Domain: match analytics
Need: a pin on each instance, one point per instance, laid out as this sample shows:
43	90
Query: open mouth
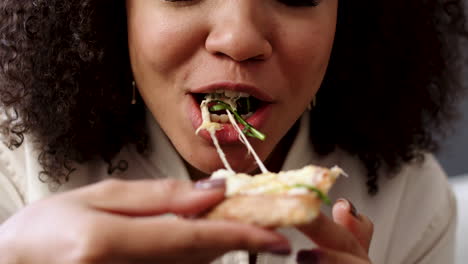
243	103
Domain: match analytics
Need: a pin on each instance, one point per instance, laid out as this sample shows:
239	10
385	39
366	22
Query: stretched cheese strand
212	127
247	143
206	120
220	151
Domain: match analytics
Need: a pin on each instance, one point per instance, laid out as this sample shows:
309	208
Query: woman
103	89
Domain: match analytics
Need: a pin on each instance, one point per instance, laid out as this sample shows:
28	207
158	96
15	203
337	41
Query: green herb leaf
319	193
249	130
217	107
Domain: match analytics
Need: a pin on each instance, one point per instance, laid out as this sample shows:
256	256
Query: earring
134	93
312	104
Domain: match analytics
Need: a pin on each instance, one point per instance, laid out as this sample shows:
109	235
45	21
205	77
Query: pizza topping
310	179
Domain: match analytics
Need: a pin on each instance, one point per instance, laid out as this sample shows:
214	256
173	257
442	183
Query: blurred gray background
454	151
453	154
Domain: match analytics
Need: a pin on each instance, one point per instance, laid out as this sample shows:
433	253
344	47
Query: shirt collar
163	154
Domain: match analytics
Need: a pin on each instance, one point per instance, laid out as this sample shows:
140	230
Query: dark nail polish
210	184
308	257
352	208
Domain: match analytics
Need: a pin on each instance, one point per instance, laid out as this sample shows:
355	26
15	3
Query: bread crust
268	210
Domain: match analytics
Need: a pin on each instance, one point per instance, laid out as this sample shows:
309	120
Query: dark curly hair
65	78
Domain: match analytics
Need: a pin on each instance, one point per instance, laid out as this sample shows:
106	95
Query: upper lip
233	86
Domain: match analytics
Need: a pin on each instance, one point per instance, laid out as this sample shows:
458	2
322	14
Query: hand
119	222
346	239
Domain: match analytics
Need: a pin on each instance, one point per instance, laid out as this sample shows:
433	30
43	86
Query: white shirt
414	213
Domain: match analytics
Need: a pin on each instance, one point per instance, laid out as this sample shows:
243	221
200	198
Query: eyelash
294	3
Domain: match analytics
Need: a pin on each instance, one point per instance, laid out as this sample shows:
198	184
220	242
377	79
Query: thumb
153	197
346	215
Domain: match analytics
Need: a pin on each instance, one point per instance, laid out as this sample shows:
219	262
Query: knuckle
234	238
104	188
351	246
88	246
112	185
192	243
244	241
197	235
170	185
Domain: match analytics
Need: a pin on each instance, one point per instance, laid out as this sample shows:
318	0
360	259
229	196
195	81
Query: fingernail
308	257
210	184
352	208
279	249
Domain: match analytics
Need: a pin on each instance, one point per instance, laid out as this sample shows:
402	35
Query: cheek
311	55
308	55
156	48
158	40
311	49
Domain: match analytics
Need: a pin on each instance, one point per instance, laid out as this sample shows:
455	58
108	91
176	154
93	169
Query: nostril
237	44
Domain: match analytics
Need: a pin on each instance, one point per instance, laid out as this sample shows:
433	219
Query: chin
237	156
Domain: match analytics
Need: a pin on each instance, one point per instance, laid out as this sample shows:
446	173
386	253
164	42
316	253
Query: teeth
214	118
230	94
223	118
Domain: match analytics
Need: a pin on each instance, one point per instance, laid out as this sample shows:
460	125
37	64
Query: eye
299	3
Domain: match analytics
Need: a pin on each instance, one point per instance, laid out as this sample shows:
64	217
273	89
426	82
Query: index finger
151	197
326	233
164	238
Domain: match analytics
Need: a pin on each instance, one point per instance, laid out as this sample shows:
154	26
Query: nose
239	31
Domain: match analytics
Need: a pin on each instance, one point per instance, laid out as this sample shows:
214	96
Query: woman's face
275	50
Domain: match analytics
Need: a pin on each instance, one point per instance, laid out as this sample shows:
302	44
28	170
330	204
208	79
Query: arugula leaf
320	194
249	130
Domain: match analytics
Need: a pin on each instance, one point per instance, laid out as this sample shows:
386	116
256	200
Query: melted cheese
266	183
246	142
206	123
212	127
277	183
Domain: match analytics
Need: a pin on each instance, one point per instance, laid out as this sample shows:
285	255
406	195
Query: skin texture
346	239
65	71
107	223
280	49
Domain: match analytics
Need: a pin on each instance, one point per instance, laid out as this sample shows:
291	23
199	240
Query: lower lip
228	134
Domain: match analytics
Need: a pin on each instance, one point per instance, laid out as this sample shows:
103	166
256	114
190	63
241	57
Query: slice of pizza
287	198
